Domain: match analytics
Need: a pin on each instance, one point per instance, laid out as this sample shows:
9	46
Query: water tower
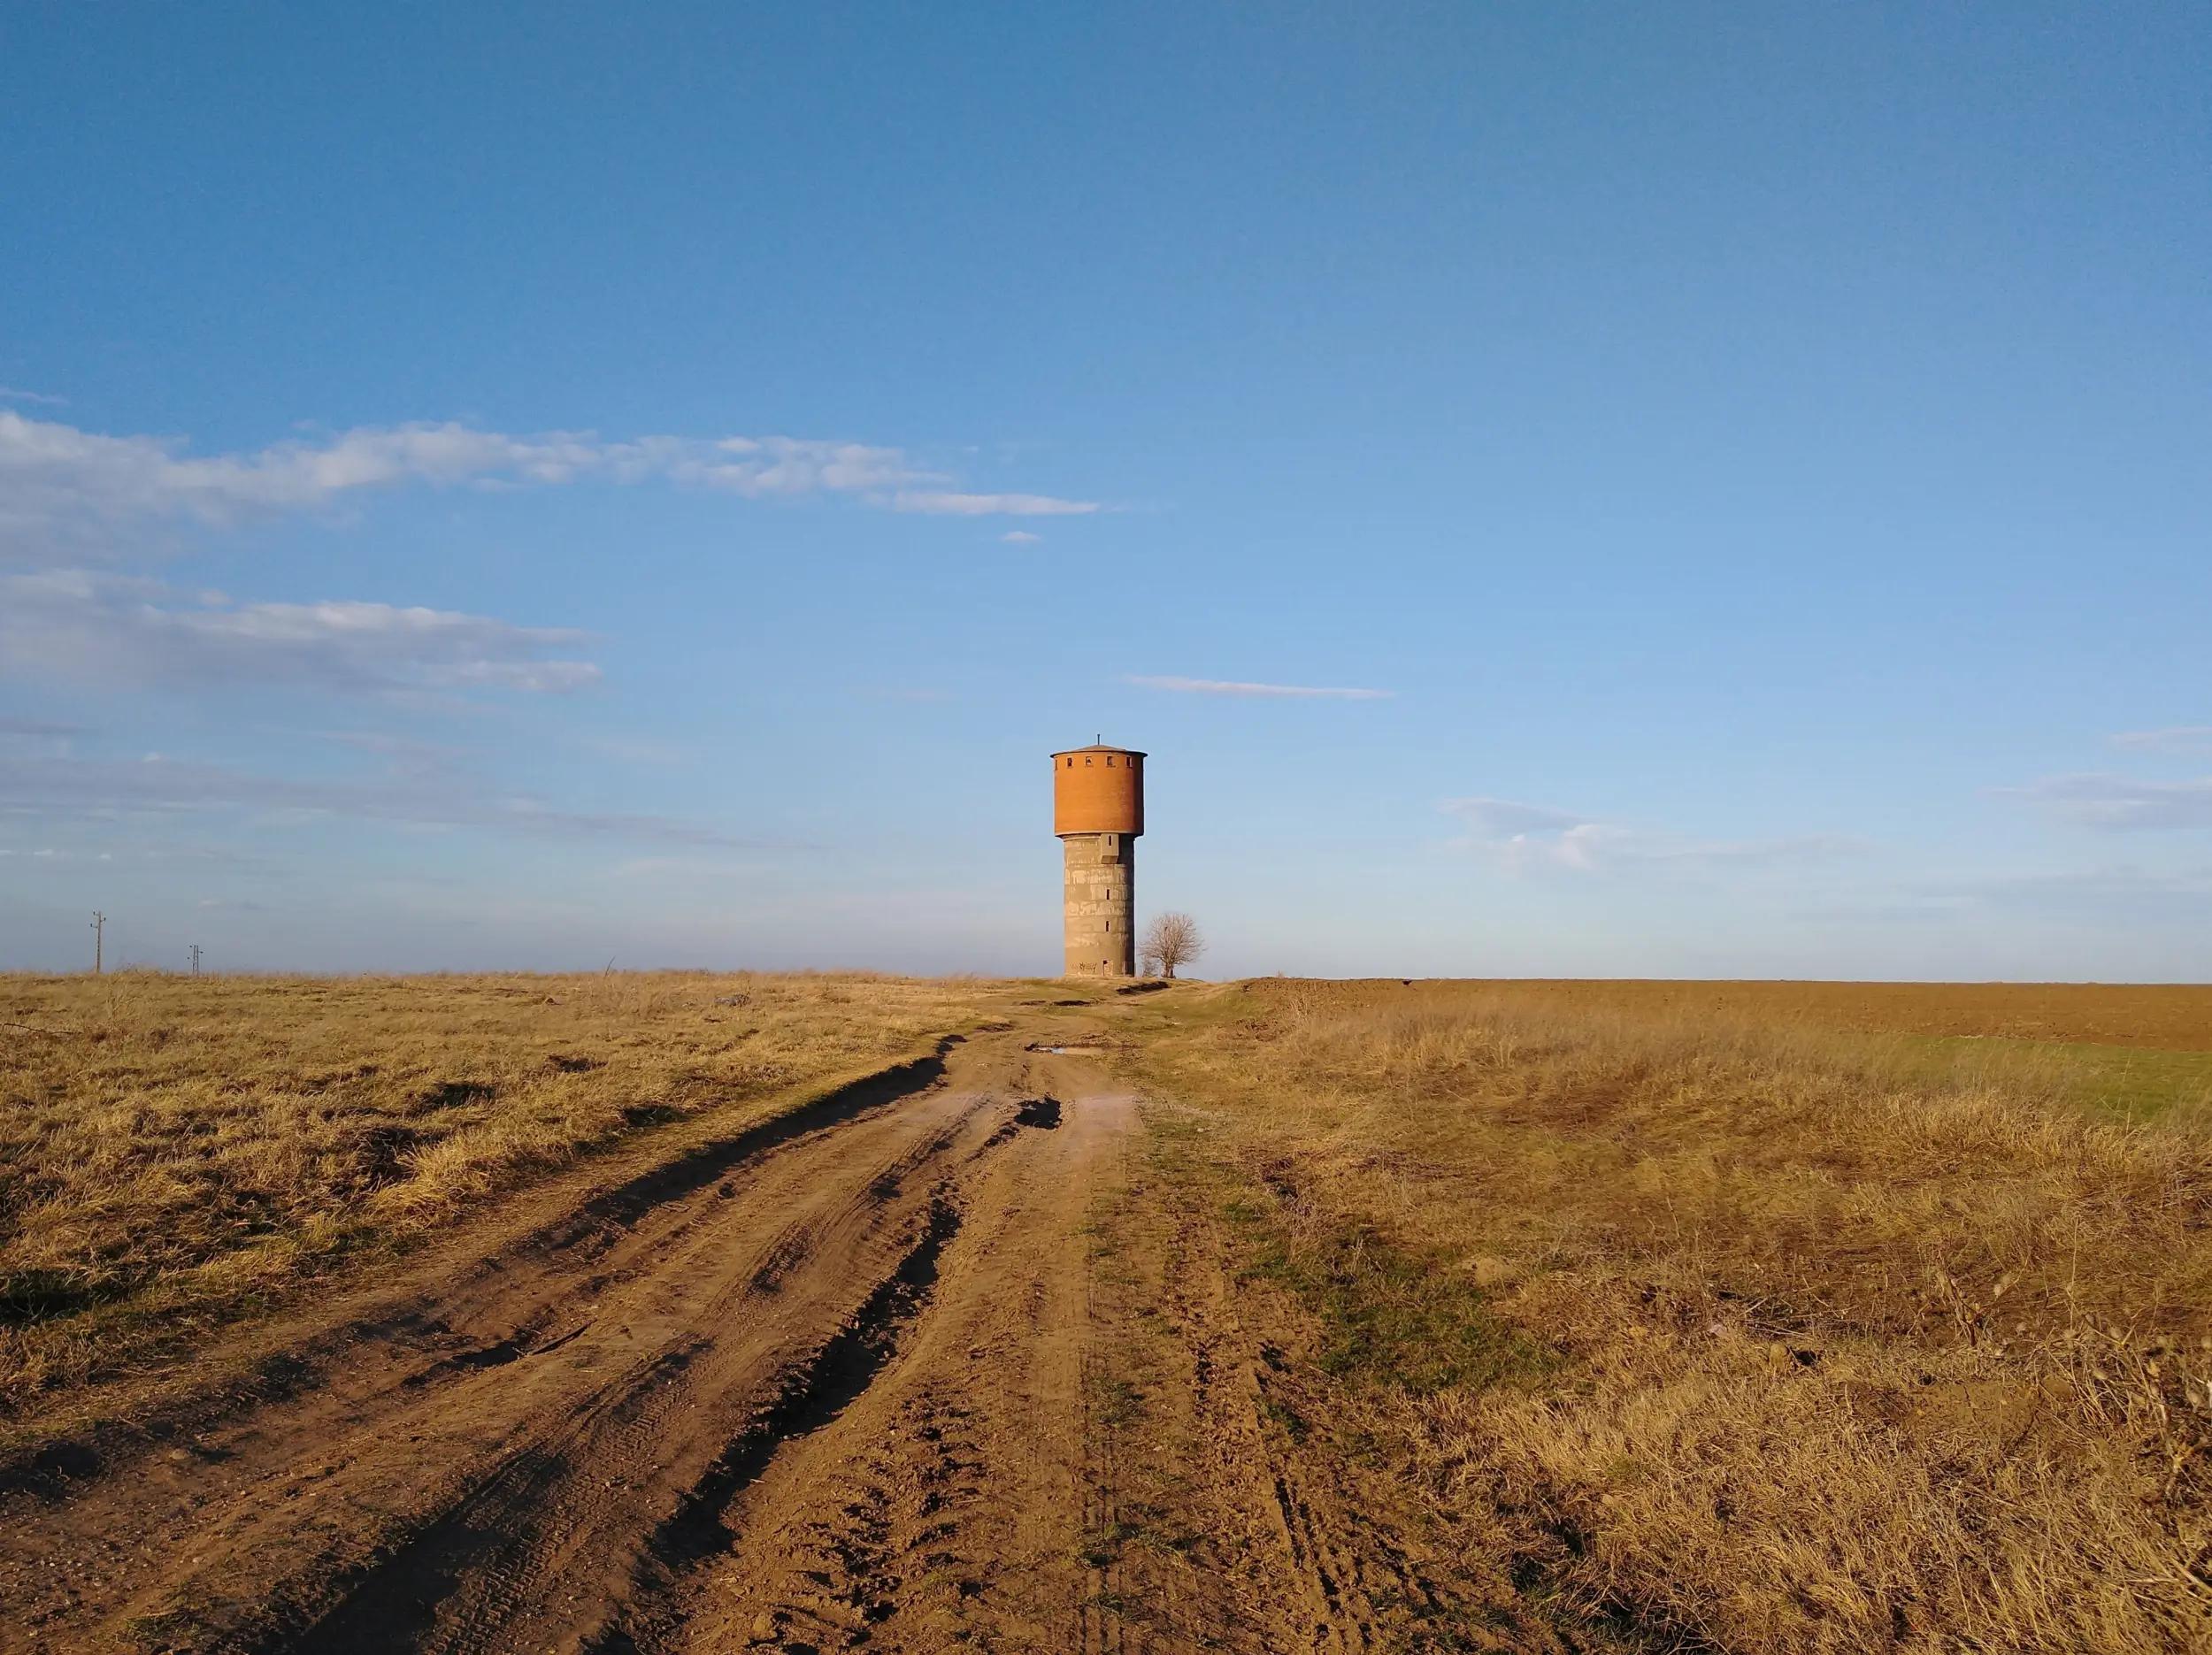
1098	811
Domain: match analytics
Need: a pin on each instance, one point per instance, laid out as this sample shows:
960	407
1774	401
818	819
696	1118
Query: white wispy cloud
61	484
1500	818
109	629
941	503
2177	738
1523	836
1228	686
1527	837
102	790
15	393
1021	537
2121	803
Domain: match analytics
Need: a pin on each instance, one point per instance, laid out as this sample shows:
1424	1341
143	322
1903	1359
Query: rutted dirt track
867	1376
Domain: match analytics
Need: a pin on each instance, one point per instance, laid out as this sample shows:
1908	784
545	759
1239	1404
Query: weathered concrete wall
1102	906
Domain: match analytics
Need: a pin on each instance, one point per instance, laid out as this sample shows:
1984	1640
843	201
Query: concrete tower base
1102	904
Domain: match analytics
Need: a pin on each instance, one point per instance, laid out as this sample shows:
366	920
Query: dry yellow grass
1729	1340
175	1152
2174	1016
1720	1316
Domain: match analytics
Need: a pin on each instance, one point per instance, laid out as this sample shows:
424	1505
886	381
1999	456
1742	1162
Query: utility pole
99	937
195	959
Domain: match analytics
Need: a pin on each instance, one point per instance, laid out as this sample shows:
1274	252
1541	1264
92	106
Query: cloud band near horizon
86	627
59	481
1229	686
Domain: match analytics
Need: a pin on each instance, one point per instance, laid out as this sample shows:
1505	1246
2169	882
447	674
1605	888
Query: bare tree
1171	939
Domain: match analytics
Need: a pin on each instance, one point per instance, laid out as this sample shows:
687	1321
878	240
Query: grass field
1761	1318
2135	1051
1747	1317
175	1151
2172	1016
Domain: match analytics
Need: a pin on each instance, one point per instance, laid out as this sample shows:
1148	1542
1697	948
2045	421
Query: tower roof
1098	746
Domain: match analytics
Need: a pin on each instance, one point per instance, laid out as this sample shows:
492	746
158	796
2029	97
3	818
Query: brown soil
927	1366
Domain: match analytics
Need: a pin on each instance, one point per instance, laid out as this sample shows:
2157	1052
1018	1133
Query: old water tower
1098	811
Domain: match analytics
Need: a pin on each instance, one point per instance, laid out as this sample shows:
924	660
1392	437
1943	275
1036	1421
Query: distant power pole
195	959
99	937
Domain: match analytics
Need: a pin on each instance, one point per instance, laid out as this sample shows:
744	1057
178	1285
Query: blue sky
522	485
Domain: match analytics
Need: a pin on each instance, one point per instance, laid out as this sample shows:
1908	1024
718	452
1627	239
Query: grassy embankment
177	1154
1749	1319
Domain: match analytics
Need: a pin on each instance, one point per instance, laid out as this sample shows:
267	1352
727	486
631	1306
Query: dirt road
919	1368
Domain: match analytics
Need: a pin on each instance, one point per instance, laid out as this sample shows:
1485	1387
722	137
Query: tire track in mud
621	1208
56	1469
483	1572
580	1403
396	1604
809	1397
941	1363
890	1545
1224	1515
943	1509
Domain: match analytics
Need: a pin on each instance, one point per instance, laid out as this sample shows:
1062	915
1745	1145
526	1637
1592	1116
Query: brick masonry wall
1098	790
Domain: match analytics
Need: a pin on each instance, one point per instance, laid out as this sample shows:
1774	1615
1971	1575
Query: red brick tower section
1098	811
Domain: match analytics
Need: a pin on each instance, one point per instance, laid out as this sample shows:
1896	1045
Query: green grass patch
1385	1316
1388	1318
1119	1403
1286	1419
2139	1084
